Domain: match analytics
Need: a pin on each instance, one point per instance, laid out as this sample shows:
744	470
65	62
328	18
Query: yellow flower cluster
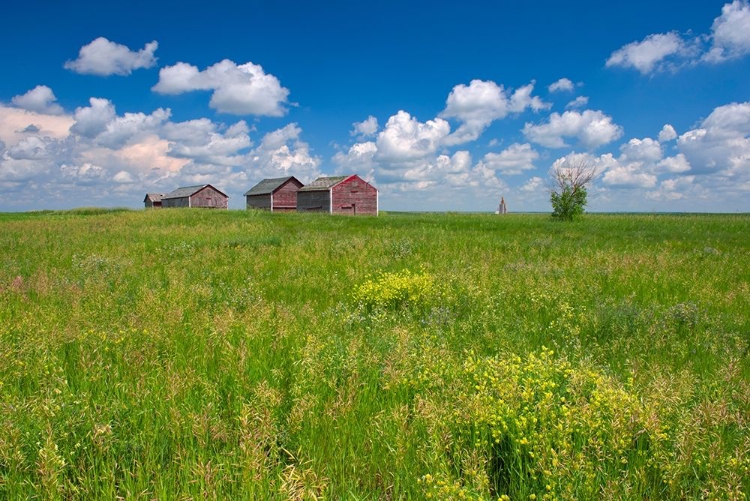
394	290
558	429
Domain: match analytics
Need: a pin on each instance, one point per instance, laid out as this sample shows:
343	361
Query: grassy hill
240	355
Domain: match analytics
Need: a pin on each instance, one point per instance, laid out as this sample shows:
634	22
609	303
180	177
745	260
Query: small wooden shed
277	194
204	195
339	195
153	200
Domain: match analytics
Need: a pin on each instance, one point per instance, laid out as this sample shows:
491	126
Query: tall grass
228	354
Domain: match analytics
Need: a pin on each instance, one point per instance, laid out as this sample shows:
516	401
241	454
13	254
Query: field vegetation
187	354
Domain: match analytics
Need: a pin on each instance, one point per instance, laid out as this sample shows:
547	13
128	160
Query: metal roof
188	191
154	197
324	183
268	186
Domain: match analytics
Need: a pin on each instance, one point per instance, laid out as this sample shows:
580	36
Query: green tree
568	188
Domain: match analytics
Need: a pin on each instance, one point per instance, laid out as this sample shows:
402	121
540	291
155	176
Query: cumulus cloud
563	84
629	176
643	150
648	54
721	143
119	130
17	123
359	158
480	103
591	128
730	33
579	102
40	99
515	159
123	177
675	164
85	174
102	57
213	146
91	120
282	153
681	188
667	133
237	89
404	138
366	128
35	148
534	184
729	39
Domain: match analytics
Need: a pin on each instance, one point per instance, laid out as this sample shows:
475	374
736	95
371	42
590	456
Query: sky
443	106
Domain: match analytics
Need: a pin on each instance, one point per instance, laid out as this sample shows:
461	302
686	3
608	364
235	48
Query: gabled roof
324	183
154	197
268	186
188	191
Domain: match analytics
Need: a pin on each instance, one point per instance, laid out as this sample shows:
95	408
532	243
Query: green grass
241	355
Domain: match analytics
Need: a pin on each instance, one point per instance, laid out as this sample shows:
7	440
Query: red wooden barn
203	195
339	195
153	200
277	194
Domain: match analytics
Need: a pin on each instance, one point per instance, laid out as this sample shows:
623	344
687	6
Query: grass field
181	354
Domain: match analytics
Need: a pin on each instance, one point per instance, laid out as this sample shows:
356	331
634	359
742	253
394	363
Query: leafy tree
568	188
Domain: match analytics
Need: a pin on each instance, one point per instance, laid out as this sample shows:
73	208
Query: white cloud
237	89
675	164
213	147
515	159
563	84
121	129
579	102
102	57
681	188
645	150
480	103
405	138
730	33
629	176
648	54
359	158
35	148
721	143
92	120
16	123
86	174
667	133
282	153
40	99
591	128
534	184
123	177
366	128
729	39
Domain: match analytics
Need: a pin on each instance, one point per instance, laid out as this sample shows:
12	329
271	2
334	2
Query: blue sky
442	105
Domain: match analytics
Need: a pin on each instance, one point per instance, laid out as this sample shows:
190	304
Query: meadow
188	354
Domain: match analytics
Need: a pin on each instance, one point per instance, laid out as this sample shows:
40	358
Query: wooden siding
285	198
314	201
175	202
355	197
259	201
153	205
209	198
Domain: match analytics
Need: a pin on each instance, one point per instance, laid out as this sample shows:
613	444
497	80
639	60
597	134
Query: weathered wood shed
339	195
204	195
277	194
153	200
